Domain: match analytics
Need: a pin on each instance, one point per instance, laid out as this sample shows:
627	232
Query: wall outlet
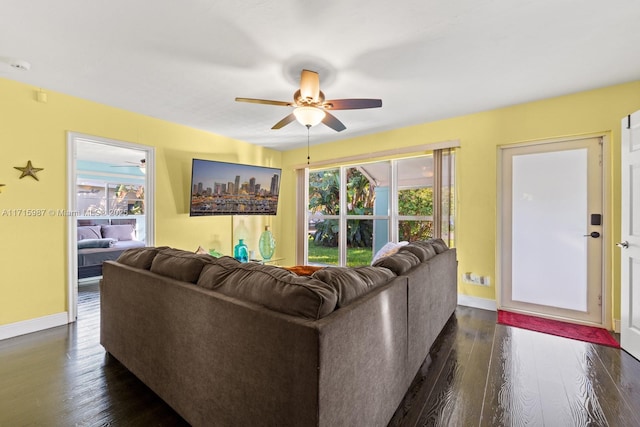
476	279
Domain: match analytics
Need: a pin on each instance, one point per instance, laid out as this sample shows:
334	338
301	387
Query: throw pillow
89	232
95	243
119	232
304	270
388	249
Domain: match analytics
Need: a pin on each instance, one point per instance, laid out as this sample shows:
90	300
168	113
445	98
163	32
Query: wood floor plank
512	396
567	392
624	371
457	397
615	405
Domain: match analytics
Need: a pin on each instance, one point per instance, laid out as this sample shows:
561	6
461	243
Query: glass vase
241	252
267	244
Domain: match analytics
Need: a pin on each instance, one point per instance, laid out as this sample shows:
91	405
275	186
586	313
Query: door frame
607	283
72	238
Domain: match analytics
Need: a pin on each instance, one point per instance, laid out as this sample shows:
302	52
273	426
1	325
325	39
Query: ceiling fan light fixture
309	116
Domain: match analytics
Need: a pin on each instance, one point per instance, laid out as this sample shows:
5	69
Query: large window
353	210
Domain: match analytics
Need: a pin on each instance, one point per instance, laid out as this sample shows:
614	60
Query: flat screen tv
221	188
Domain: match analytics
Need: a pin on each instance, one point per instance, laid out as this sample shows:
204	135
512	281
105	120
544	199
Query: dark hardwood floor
485	374
62	377
478	373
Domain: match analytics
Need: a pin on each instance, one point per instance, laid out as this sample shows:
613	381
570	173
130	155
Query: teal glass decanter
267	244
241	252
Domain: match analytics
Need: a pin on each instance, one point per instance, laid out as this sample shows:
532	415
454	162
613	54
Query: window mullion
437	193
342	241
302	245
393	202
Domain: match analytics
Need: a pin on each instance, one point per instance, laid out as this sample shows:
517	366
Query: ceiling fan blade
352	104
331	121
282	123
264	101
309	85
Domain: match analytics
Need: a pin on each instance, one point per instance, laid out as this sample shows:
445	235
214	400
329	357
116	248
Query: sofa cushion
139	257
350	283
439	245
95	243
119	232
89	232
399	263
423	252
178	264
270	286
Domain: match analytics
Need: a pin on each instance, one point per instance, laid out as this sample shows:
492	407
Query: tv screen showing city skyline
221	188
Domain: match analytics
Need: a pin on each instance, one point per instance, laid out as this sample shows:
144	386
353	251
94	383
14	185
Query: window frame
393	217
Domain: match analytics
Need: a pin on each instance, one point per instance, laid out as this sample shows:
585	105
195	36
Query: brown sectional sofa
232	344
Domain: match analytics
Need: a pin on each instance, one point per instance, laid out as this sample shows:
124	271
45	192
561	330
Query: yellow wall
33	250
593	112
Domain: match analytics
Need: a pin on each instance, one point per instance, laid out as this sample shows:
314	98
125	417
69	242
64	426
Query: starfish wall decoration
29	170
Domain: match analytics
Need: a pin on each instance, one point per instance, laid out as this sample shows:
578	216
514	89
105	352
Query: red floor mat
555	327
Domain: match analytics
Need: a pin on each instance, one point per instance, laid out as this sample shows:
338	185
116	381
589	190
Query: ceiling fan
310	106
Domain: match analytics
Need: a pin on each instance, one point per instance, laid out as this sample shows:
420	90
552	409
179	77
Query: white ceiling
106	153
427	60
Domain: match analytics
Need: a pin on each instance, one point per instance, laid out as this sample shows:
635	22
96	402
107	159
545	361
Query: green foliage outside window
415	202
324	198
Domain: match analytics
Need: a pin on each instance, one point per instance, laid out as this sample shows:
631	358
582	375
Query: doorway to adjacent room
110	187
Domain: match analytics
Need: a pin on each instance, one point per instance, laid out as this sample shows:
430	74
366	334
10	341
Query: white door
550	232
630	239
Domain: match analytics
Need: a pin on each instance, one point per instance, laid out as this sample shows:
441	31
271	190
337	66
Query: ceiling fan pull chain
308	157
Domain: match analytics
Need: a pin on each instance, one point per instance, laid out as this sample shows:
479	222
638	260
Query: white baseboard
33	325
475	302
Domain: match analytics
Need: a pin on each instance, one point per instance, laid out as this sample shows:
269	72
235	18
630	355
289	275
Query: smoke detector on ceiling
18	64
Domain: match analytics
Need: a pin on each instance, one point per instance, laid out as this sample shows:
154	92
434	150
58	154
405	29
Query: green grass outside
323	255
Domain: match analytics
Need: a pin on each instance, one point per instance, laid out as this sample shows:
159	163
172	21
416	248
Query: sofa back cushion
423	252
438	244
269	286
350	283
178	264
139	257
399	263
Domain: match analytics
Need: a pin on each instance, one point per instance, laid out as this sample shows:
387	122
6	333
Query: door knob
623	245
593	234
